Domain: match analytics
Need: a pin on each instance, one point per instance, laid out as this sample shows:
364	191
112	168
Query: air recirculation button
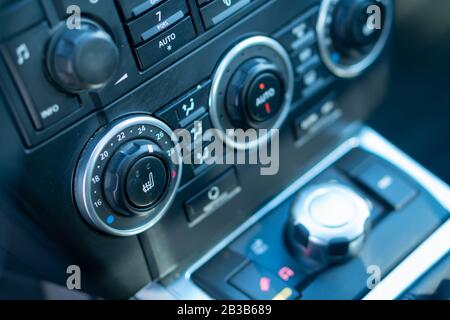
128	176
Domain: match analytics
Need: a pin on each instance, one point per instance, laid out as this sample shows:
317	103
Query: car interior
224	150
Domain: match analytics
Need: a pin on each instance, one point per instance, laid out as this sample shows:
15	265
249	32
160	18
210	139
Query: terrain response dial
328	224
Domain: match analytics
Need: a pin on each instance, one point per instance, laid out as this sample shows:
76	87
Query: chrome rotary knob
128	175
353	33
328	224
82	59
252	88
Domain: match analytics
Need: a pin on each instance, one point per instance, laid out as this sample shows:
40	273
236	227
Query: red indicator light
264	284
262	86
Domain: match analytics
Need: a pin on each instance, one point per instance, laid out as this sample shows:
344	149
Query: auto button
264	97
166	43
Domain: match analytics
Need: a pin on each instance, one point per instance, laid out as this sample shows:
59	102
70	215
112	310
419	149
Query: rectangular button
315	117
166	43
202	159
215	196
189	107
299	33
260	284
192	106
24	54
306	59
219	10
198	129
385	183
156	21
134	8
201	3
314	80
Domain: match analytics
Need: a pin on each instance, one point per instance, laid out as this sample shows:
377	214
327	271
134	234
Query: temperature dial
353	33
252	88
128	176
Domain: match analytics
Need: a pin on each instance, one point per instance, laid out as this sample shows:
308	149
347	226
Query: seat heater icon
149	185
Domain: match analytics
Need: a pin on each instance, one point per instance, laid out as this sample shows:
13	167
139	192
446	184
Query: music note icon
23	54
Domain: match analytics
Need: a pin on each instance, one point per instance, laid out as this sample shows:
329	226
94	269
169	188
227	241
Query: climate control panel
128	175
94	92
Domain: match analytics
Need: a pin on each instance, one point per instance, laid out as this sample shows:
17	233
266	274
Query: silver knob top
328	224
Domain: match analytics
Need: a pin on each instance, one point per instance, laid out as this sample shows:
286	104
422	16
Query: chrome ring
356	69
86	168
222	69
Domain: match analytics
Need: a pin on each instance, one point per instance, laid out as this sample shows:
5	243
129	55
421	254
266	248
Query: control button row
300	33
166	43
201	153
301	41
325	112
190	112
260	284
219	10
229	275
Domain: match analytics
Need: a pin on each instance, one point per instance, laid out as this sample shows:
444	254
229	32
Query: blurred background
416	112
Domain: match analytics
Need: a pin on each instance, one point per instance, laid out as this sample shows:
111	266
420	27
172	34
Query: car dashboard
208	149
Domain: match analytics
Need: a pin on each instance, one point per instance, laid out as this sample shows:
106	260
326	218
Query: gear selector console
324	241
